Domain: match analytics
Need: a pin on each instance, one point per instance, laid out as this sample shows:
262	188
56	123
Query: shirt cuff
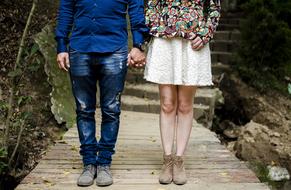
138	37
62	45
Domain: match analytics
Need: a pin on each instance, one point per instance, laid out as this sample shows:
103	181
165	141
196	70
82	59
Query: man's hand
63	61
197	44
136	58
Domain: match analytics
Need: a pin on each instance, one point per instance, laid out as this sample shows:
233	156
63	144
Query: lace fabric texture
173	61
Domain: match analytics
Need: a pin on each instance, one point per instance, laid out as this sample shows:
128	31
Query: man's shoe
104	176
166	175
88	175
179	173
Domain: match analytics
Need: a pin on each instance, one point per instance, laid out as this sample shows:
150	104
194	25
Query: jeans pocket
80	64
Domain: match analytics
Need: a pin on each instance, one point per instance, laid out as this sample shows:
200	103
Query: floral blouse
183	18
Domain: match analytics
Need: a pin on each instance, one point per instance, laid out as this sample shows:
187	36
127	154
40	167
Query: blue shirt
99	25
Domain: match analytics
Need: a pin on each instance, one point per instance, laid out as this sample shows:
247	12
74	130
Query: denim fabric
109	69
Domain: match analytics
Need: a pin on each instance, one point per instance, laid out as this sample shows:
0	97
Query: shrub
264	56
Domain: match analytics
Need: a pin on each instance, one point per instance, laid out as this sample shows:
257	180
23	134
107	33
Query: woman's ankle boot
179	173
166	175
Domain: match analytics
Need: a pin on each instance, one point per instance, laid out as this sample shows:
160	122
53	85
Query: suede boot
166	175
179	173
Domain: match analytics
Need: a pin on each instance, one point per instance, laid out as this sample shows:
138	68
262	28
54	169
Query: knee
84	109
110	112
185	107
168	106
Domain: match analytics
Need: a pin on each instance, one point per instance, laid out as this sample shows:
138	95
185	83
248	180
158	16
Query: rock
271	119
219	99
231	133
230	146
276	134
229	129
63	106
277	173
256	142
287	185
224	125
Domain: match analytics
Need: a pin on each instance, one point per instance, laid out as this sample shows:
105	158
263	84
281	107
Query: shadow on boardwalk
137	161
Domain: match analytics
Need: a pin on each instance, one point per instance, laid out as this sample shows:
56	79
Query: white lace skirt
173	61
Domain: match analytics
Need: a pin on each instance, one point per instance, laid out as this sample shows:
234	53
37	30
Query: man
98	52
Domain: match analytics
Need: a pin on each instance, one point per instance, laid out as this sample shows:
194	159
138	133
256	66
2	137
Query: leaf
16	72
74	148
34	49
3	153
224	174
20	100
66	173
3	105
289	88
25	115
24	100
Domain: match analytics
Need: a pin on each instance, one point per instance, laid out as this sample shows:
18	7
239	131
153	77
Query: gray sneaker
88	175
104	176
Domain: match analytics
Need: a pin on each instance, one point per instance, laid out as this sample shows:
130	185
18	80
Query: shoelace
179	164
87	169
104	168
169	164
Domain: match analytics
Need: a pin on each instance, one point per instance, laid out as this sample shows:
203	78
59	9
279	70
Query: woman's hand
136	58
197	44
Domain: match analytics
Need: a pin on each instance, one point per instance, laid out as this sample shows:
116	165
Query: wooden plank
137	162
192	186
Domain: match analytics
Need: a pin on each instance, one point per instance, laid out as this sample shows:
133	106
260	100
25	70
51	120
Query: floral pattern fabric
183	18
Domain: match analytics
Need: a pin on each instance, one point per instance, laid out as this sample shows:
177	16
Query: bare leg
168	98
184	117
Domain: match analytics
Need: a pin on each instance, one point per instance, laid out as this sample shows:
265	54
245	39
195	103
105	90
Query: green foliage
23	100
3	107
264	57
262	171
3	157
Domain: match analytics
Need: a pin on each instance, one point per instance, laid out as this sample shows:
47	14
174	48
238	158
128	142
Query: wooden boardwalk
136	165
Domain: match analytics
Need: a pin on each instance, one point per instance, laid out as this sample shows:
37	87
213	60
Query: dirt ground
32	94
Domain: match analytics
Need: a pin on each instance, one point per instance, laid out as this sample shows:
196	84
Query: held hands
197	44
63	61
136	58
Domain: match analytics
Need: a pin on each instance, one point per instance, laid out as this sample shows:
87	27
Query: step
231	27
234	21
133	103
227	35
219	68
221	57
151	92
232	15
136	77
223	45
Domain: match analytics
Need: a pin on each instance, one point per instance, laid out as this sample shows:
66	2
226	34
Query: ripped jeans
109	69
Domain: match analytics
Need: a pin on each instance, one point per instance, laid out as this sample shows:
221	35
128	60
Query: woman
179	61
